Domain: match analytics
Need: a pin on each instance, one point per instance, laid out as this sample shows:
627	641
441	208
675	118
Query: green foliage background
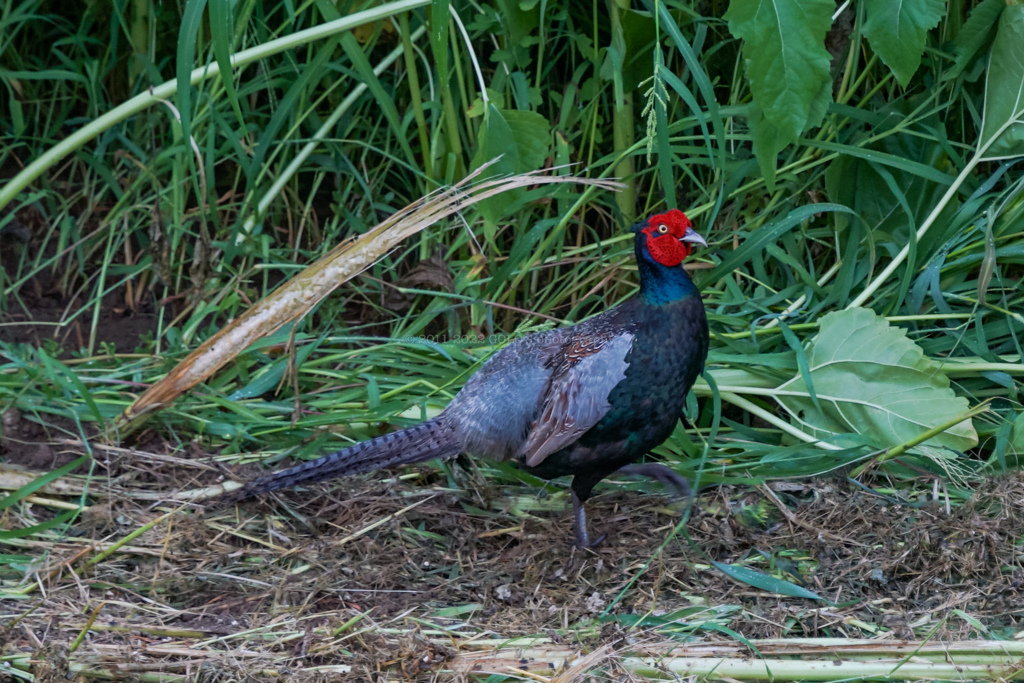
836	155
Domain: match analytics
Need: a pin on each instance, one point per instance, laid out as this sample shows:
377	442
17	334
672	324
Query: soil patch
39	314
35	444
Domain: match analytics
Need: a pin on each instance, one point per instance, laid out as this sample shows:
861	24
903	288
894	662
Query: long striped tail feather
426	441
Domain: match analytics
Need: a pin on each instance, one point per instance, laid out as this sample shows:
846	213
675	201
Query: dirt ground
34	315
390	578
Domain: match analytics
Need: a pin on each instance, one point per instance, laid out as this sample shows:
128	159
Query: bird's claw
583	541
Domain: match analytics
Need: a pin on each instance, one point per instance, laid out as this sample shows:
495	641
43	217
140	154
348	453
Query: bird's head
667	238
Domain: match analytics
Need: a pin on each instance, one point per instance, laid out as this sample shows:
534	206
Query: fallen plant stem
117	545
77	642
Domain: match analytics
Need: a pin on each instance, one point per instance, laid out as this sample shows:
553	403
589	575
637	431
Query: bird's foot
668	477
583	541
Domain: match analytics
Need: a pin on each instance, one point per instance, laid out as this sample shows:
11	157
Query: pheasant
586	400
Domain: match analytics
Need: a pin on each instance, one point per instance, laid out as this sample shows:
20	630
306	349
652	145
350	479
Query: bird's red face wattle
670	237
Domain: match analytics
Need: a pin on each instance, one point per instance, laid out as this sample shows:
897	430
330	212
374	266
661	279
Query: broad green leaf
976	34
768	140
638	32
819	105
520	23
786	60
873	381
765	582
628	60
897	32
1004	88
522	139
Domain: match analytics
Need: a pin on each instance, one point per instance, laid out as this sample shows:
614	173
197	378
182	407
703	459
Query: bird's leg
579	523
668	477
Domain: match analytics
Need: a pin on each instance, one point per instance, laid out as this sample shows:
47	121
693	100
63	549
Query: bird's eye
662	228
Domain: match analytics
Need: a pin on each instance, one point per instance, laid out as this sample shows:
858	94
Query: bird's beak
692	235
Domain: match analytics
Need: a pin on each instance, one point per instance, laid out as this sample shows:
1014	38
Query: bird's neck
660	285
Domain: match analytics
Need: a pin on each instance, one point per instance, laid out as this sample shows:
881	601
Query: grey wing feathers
539	394
577	399
496	408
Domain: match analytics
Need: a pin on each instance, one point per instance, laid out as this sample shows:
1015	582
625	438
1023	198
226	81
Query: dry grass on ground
393	579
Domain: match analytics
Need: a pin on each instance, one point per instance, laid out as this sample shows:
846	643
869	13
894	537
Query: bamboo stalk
805	659
790	670
812	659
